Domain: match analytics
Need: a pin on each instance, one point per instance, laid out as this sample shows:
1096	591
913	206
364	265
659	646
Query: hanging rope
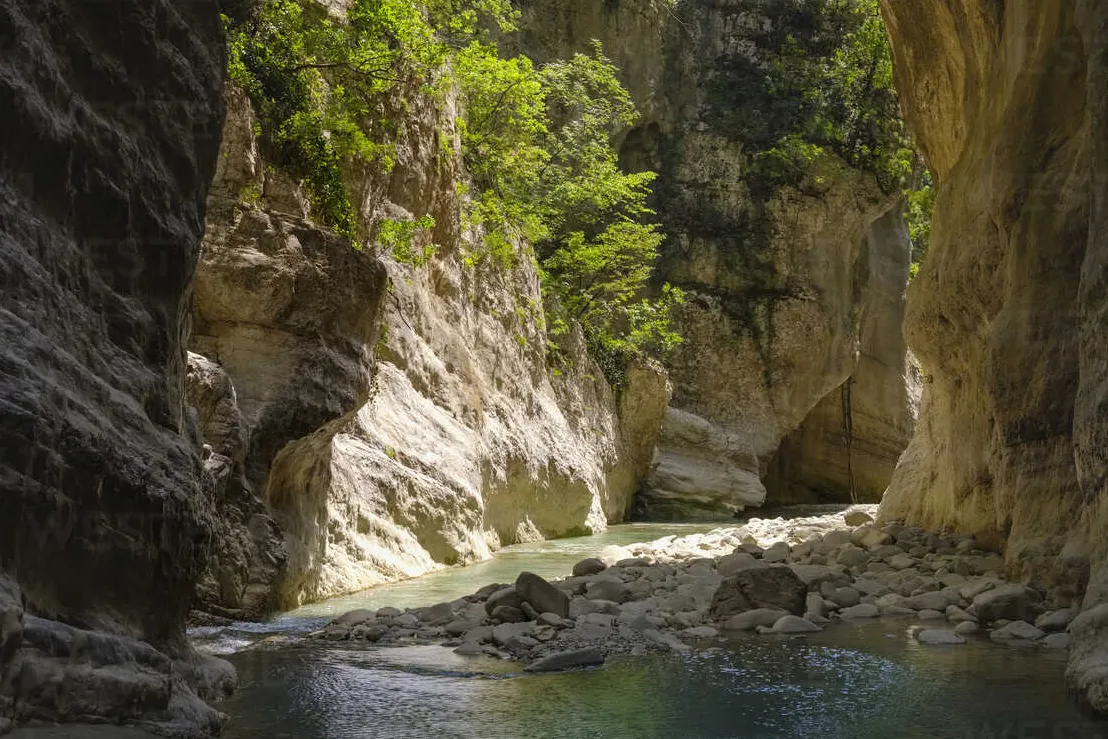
848	434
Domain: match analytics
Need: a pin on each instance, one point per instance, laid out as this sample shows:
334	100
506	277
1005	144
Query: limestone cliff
794	289
394	418
1007	315
110	127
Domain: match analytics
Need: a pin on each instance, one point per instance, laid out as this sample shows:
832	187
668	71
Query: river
866	680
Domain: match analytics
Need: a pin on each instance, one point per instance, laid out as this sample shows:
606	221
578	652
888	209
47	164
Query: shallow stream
867	680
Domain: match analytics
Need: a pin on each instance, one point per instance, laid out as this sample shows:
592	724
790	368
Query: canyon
211	404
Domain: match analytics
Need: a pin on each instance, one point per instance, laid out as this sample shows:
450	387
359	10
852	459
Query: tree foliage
546	183
538	144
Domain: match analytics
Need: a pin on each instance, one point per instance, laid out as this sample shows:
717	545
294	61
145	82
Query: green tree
538	143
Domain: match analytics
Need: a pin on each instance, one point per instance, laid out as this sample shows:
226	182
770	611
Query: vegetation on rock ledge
329	92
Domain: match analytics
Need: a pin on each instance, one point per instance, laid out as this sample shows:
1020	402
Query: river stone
458	628
753	619
665	640
769	587
832	540
1056	620
598	619
862	610
936	600
967	627
794	625
857	518
1012	602
580	606
609	589
736	562
502	633
954	614
553	619
930	614
588	657
478	634
406	621
939	636
1059	640
845	597
778	552
354	618
543	597
590	566
508	614
388	612
813	576
614	553
700	632
871	538
504	597
985	564
814	604
851	556
977	586
1017	630
439	613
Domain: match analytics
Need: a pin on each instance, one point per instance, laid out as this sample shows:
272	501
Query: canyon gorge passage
308	308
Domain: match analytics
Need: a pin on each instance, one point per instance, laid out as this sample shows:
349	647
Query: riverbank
771	576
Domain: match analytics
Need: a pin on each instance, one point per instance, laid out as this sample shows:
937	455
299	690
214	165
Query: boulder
559	661
590	566
770	587
504	597
1012	602
607	588
1056	620
543	597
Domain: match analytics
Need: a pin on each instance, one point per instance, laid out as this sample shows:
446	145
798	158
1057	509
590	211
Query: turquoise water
852	681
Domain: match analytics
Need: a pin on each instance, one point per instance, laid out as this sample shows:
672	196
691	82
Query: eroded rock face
1004	116
390	430
791	292
111	126
855	434
1007	316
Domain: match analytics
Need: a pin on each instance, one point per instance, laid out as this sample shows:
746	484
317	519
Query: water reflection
853	682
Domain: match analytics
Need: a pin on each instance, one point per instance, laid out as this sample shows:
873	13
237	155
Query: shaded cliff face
380	420
793	287
994	316
1007	316
111	122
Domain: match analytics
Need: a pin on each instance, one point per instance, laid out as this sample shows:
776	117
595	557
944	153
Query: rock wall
854	436
111	122
395	419
1007	316
791	292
